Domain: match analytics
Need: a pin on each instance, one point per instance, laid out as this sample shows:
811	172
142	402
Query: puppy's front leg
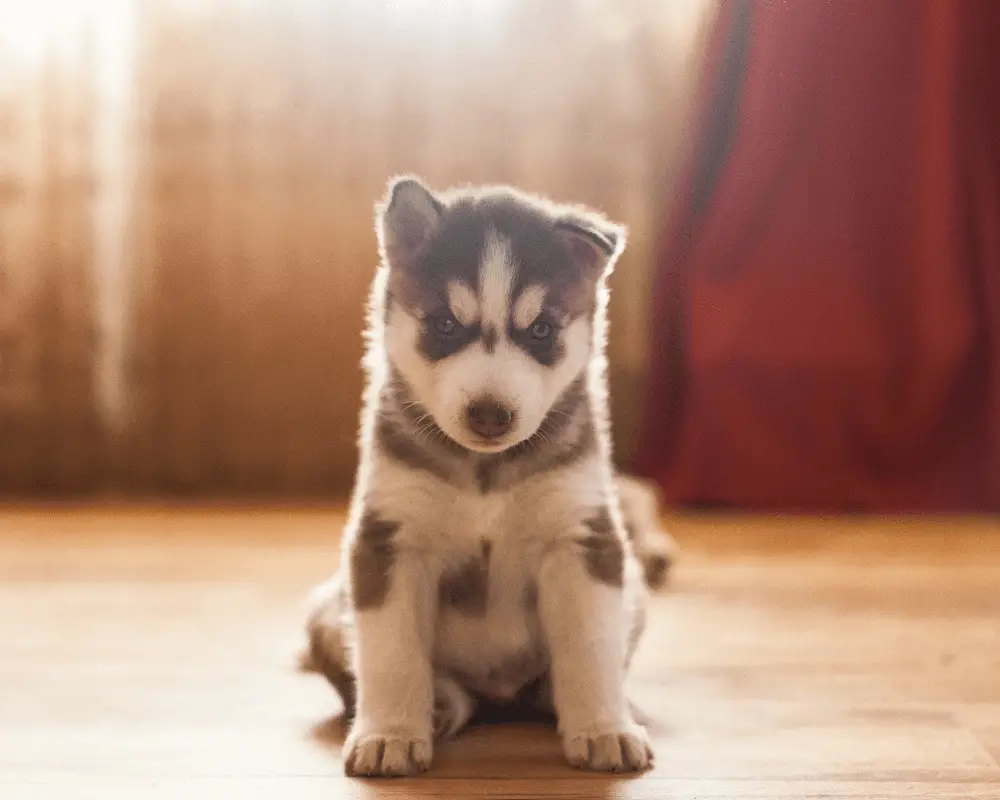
395	606
583	614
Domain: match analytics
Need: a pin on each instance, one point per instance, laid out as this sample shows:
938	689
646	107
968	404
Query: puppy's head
491	306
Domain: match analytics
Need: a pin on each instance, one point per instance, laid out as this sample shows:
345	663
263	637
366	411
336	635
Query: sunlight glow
86	43
29	29
432	14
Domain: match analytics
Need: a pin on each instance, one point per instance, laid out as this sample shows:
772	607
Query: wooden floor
148	654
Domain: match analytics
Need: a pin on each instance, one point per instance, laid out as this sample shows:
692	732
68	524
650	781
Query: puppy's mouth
491	445
465	440
480	445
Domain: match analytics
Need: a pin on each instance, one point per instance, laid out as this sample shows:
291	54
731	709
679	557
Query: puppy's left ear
594	242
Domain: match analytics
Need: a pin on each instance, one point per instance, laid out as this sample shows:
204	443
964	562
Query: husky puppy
486	555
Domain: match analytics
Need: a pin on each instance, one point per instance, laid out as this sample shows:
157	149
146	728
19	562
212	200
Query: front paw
393	753
624	748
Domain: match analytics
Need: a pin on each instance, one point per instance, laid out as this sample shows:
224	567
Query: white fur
528	306
496	274
463	303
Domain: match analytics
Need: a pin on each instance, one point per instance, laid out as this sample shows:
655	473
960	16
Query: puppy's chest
485	550
488	631
488	575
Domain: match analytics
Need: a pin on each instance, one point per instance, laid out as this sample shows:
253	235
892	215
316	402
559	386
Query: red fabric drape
827	308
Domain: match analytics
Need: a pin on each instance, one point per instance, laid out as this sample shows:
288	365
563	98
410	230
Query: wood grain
148	653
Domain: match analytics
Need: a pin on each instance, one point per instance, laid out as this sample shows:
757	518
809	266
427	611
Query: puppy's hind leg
453	707
326	650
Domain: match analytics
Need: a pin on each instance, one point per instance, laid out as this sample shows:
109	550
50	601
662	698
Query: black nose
489	418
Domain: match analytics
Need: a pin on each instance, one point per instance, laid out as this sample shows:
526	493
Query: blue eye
446	326
541	330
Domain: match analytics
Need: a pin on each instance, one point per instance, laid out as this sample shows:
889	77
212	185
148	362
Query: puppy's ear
406	220
593	242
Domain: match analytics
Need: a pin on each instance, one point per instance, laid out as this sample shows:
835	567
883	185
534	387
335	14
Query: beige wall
186	195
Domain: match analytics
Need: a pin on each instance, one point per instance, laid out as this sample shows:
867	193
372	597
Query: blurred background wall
186	191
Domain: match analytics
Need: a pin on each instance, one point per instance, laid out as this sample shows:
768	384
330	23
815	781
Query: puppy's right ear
406	220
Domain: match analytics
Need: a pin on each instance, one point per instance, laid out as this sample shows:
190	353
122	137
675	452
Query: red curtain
827	303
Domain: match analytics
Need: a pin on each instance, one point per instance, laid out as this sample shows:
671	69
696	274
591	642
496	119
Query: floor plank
147	653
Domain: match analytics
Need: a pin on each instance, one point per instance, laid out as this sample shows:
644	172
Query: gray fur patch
372	557
398	441
602	550
467	589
